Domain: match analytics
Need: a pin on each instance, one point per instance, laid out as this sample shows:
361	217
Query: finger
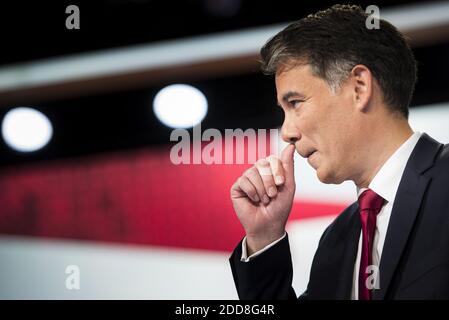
287	156
263	166
254	177
247	187
276	169
236	192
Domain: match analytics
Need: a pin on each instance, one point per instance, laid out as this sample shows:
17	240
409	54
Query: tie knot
369	200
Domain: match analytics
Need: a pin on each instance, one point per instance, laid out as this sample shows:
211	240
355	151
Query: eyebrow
291	94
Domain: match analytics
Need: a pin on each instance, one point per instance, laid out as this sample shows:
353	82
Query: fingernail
271	191
256	198
266	200
279	179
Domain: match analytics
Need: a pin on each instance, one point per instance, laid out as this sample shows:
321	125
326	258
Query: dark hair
334	40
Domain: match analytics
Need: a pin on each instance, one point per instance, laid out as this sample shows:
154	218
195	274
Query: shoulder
440	168
443	157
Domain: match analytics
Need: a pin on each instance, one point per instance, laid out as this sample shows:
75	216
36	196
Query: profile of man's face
321	122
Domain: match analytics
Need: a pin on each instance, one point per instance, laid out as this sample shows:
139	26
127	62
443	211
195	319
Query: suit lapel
405	209
332	273
352	235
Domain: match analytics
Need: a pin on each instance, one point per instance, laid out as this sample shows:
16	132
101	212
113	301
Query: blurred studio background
91	207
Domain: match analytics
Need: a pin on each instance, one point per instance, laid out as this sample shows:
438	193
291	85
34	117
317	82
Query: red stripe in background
136	197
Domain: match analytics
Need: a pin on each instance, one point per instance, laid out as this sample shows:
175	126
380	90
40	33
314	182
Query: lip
311	153
306	153
310	159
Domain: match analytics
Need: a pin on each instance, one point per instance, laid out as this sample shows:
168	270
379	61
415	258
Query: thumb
288	162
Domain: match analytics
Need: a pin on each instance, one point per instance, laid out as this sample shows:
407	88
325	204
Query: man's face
323	124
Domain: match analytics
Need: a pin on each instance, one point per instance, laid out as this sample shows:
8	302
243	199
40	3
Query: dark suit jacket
415	257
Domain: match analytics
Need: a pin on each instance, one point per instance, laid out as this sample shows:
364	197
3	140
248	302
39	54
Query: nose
289	131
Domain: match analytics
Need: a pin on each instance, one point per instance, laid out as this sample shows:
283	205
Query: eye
295	103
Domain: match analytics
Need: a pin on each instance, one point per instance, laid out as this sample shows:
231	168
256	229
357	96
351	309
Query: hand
262	198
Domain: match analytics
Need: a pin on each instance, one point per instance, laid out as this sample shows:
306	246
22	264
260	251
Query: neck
385	140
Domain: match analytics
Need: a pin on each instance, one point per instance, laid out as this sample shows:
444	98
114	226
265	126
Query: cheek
333	150
308	123
334	134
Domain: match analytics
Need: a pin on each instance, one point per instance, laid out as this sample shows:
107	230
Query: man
345	92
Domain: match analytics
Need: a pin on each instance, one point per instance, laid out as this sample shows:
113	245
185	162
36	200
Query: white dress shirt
385	183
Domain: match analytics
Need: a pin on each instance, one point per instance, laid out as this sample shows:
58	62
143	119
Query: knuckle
262	163
250	172
272	158
264	170
233	188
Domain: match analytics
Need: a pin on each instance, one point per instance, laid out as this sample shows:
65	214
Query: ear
362	86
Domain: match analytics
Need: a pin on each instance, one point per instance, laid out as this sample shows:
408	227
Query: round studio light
180	106
26	129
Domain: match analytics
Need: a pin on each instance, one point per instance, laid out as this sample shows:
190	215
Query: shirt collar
386	182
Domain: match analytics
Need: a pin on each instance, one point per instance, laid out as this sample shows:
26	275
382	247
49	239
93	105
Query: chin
327	177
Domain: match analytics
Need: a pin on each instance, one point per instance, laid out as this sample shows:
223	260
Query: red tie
370	204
